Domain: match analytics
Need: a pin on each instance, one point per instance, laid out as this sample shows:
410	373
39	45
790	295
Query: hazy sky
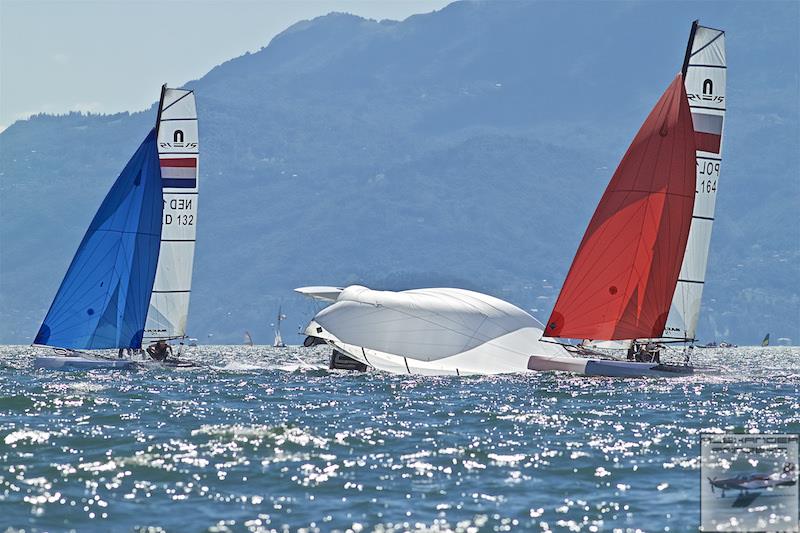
113	55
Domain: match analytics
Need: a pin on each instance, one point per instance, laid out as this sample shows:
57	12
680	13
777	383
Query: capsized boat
436	331
126	257
638	273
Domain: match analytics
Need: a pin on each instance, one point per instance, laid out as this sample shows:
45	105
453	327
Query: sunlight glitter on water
254	442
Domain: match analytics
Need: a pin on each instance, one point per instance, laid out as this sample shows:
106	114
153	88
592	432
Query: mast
160	107
688	54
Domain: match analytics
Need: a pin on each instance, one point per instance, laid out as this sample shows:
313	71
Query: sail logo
748	482
178	141
707	94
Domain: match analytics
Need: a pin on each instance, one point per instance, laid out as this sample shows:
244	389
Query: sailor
654	352
158	350
641	355
631	351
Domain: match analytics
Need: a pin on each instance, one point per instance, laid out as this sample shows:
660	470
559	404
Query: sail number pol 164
707	174
179	204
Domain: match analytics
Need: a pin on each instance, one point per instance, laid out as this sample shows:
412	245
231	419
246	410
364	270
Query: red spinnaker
623	277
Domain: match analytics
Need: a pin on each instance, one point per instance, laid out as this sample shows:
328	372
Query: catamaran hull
455	366
81	363
603	367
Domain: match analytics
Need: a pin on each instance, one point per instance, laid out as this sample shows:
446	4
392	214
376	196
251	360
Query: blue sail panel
103	300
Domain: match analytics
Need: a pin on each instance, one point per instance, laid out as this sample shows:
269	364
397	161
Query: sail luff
623	277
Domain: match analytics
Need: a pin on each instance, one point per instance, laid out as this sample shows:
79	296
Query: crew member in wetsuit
159	350
631	351
644	353
654	351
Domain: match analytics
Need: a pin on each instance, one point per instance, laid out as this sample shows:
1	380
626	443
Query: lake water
252	443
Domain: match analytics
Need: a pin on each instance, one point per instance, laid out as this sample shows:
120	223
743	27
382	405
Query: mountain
465	147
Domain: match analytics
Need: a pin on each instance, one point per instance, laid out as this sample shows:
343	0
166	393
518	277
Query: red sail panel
621	282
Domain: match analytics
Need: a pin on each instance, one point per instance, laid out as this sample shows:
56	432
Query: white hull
60	362
465	366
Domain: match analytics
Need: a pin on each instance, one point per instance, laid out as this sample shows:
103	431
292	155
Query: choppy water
256	444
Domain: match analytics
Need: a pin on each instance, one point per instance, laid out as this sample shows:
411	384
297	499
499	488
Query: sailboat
127	284
637	276
639	271
278	342
765	342
248	340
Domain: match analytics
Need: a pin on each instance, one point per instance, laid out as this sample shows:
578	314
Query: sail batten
623	277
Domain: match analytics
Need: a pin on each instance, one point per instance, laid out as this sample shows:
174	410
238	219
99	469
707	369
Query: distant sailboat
765	342
103	301
248	340
278	342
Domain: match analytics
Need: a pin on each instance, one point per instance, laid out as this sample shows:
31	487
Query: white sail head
705	79
178	148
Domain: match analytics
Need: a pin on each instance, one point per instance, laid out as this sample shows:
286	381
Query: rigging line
720	34
175	102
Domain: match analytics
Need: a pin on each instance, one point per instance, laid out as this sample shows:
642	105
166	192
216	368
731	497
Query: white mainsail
704	73
178	152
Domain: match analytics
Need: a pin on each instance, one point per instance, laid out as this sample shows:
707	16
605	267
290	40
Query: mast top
688	54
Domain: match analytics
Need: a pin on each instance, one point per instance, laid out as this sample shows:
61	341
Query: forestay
102	302
705	73
178	149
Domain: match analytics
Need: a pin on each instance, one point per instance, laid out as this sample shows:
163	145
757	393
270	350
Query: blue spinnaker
103	300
